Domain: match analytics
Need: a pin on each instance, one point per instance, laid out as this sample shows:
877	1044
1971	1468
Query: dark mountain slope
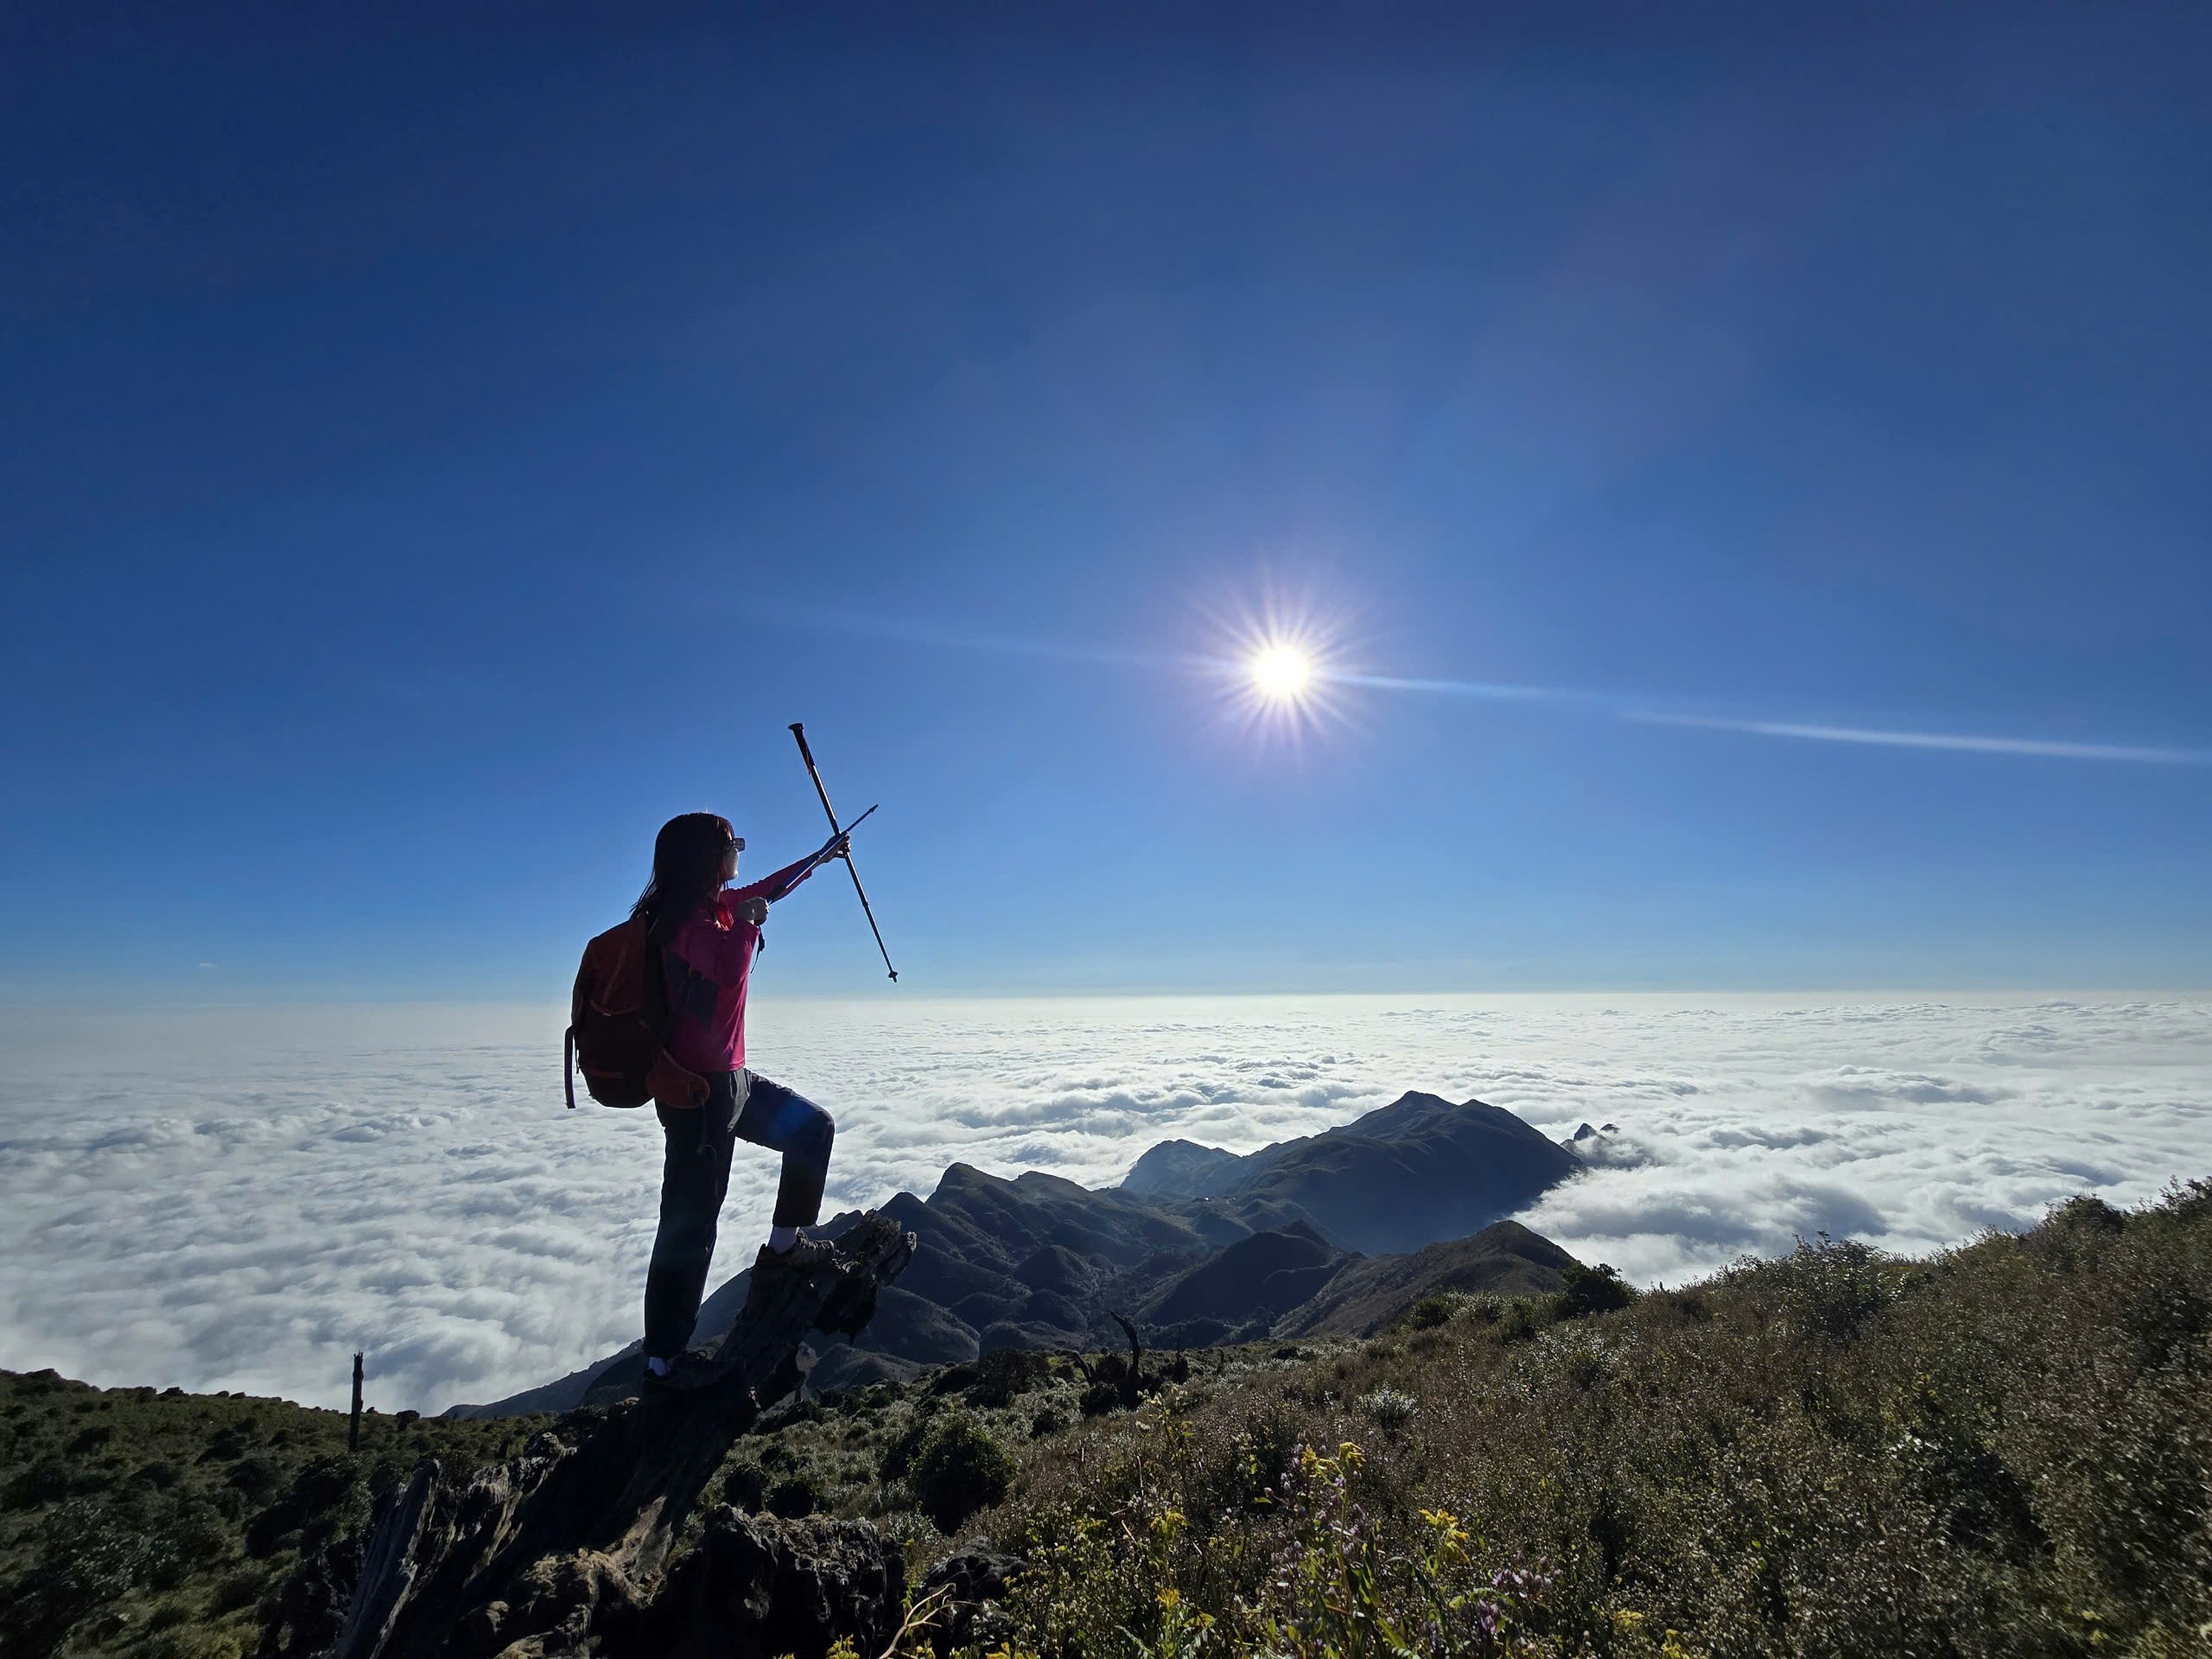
1405	1175
1039	1262
1505	1258
1267	1273
1182	1169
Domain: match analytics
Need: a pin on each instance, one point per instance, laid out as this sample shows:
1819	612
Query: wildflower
1450	1539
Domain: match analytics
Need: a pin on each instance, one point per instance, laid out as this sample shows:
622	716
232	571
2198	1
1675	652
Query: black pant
695	1178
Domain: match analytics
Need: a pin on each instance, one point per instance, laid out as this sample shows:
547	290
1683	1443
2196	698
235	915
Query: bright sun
1281	673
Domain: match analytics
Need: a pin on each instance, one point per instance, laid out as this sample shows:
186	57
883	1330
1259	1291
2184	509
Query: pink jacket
708	964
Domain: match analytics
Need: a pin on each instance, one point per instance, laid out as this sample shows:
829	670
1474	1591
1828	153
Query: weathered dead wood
1133	1384
552	1551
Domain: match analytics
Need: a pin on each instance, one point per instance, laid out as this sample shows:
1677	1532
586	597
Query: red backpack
618	1027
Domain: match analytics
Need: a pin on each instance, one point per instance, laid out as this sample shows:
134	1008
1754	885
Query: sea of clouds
240	1199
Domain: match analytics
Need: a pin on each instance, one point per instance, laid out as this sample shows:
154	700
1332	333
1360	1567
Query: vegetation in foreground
2006	1450
167	1524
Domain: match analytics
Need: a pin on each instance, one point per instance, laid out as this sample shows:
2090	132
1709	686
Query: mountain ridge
1035	1260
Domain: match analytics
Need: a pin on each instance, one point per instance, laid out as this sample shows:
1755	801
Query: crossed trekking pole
798	731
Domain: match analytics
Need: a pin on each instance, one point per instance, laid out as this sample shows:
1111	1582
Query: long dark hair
687	857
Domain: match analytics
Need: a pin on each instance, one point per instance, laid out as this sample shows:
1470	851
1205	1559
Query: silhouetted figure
706	934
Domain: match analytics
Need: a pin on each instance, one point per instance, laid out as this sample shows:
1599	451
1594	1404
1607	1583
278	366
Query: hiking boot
803	1257
689	1372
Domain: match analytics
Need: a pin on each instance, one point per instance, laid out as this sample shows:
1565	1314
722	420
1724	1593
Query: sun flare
1281	673
1278	662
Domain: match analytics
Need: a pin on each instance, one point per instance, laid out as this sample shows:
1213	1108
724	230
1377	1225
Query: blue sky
437	454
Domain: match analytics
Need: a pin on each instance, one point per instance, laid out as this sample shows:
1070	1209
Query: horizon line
1180	994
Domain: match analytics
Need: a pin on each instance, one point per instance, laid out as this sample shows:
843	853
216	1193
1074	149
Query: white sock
658	1367
780	1239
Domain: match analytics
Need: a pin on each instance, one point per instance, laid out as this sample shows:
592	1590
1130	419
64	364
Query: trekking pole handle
798	731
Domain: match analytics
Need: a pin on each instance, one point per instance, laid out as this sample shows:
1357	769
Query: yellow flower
1627	1619
1171	1598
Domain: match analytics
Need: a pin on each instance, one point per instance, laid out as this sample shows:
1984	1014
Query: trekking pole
798	731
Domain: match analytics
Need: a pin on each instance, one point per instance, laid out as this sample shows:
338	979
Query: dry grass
2004	1450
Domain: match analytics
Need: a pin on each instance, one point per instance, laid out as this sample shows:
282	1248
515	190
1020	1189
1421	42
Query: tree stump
556	1551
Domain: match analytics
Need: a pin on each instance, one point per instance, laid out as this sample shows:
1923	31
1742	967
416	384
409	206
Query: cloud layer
239	1199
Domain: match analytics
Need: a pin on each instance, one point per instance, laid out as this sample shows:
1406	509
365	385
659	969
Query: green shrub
161	1475
1829	1288
1004	1373
793	1496
957	1470
745	1485
1390	1409
50	1480
1430	1311
257	1478
898	1456
242	1588
1523	1320
1593	1290
195	1644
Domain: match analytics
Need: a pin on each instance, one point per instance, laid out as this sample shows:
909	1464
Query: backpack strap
569	1065
656	981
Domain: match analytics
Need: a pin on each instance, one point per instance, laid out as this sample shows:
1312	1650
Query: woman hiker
708	934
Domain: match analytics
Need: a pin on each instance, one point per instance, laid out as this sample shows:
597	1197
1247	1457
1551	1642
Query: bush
1593	1290
241	1588
1005	1372
1521	1321
794	1497
49	1480
1100	1398
745	1485
1430	1311
161	1475
1829	1288
957	1470
195	1644
1391	1409
898	1456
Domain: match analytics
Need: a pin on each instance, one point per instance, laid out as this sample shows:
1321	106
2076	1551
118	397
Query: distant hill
1197	1245
1182	1169
1267	1272
1505	1258
1407	1174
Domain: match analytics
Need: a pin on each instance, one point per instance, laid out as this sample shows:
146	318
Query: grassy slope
2006	1450
163	1524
